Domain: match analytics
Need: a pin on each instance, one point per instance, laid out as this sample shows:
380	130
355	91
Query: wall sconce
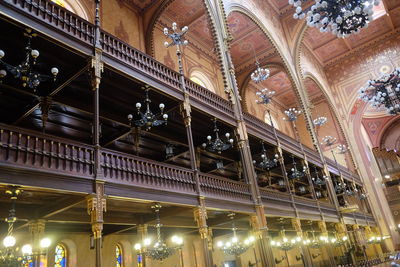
280	260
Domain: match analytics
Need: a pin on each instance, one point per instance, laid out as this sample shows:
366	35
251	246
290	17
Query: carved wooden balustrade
32	150
131	170
217	187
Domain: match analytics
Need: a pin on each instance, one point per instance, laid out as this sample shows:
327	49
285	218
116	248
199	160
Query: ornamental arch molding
285	65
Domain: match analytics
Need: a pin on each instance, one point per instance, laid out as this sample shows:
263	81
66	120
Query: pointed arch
119	256
75	6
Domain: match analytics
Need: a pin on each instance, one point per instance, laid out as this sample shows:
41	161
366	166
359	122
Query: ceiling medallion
384	92
341	17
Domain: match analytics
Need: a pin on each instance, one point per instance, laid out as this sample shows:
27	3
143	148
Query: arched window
74	6
118	256
202	80
268	121
60	259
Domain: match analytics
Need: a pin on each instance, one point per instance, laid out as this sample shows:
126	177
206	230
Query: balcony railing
74	27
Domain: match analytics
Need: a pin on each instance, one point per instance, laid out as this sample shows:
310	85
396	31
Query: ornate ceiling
329	49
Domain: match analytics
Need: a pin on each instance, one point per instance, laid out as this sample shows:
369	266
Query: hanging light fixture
292	114
27	71
284	243
265	96
158	250
260	74
295	173
341	17
12	255
265	162
217	145
175	36
342	149
147	119
384	92
328	140
337	242
319	121
317	180
234	246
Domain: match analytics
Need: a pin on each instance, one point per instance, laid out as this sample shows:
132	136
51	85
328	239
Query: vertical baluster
28	138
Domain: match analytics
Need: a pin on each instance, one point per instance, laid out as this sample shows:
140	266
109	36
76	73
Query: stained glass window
60	256
118	256
29	262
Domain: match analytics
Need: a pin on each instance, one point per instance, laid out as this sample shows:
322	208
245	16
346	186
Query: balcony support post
200	216
324	232
305	252
96	206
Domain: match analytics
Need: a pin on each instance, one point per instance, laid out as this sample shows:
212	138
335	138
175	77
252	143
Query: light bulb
137	246
161	106
2	54
220	244
45	242
9	241
147	241
54	71
3	73
227	135
166	44
138	105
26	249
34	53
209	137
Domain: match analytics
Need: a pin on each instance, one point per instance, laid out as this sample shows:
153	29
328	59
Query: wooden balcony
30	158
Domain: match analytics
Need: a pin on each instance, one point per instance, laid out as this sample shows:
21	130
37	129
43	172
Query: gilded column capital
200	217
97	68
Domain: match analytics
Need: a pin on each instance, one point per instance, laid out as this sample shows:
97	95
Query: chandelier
340	187
341	17
158	250
265	95
320	121
265	162
147	119
328	140
235	246
175	36
317	180
342	149
337	242
11	255
316	242
292	114
295	173
377	239
260	74
27	71
384	92
284	243
217	145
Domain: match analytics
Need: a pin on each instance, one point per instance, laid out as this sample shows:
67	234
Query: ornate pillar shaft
305	253
96	206
36	230
260	230
329	249
200	216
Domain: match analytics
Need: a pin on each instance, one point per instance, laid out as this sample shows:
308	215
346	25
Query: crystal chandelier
260	74
27	71
292	114
320	121
341	17
217	145
376	239
235	246
342	149
12	256
265	95
284	243
148	119
316	242
337	242
265	162
384	92
158	250
295	173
